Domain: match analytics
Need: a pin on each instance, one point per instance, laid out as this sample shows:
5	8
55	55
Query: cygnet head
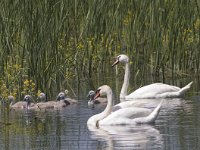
91	95
42	97
121	59
61	96
11	98
28	99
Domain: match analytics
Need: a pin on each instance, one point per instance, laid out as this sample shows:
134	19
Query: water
177	127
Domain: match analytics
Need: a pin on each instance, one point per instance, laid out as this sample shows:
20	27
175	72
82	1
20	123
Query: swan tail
185	89
151	117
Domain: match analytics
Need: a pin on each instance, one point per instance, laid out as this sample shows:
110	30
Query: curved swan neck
108	108
126	81
94	120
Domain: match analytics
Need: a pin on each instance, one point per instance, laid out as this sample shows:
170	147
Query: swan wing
145	103
123	116
153	90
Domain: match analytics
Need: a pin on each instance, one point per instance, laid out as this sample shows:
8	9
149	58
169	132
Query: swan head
11	98
121	59
28	99
61	96
102	91
42	97
91	95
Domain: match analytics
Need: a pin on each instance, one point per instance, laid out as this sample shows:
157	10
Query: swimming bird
28	99
64	96
155	90
17	105
61	102
69	99
126	116
91	101
44	104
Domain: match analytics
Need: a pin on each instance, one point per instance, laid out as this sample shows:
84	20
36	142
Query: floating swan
30	106
61	102
44	104
17	105
69	99
91	101
124	116
64	96
155	90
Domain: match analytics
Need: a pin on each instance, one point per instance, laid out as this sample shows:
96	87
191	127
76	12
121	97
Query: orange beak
97	94
116	62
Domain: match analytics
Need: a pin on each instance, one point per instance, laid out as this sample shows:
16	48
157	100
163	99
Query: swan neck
108	108
94	120
11	104
126	81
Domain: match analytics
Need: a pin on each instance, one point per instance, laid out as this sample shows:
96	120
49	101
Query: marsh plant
44	45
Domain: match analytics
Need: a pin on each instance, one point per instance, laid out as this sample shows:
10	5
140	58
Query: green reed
56	42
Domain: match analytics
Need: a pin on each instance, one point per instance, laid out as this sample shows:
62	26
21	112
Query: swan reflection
128	137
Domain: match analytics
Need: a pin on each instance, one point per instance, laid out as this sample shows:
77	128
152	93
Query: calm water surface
177	127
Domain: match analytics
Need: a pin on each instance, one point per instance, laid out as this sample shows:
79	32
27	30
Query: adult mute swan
155	90
126	116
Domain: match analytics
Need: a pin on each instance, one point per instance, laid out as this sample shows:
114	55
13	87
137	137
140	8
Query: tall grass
50	43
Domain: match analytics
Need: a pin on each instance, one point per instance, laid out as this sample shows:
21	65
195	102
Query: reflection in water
177	127
129	137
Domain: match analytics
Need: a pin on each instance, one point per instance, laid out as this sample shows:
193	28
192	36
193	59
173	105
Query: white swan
124	116
155	90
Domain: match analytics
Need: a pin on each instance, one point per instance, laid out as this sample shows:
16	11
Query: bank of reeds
46	44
